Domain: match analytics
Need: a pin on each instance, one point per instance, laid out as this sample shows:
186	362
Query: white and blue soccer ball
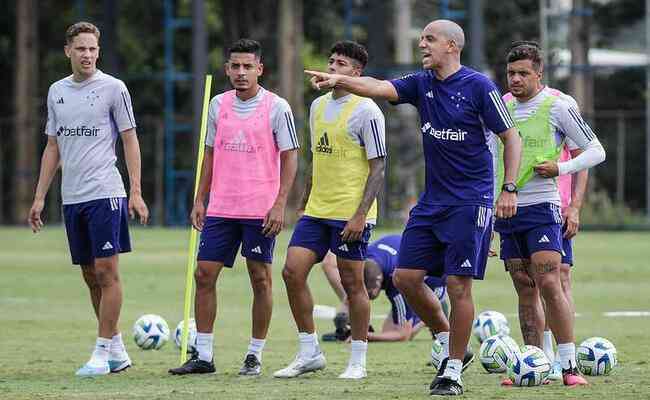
530	367
497	352
150	331
488	324
596	356
191	338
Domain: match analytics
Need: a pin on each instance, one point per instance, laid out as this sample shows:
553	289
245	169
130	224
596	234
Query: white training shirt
366	125
284	129
566	124
86	118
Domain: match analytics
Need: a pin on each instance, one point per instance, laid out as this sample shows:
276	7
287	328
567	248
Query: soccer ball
150	331
191	339
596	356
530	367
436	354
490	323
497	352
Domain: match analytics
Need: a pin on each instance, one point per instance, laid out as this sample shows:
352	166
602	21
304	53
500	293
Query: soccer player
531	241
249	167
348	146
86	112
448	231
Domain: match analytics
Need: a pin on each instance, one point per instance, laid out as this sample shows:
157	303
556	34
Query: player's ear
66	50
260	68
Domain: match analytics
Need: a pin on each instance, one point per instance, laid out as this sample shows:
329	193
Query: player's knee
352	285
204	277
261	282
402	281
89	277
105	277
291	275
550	286
459	288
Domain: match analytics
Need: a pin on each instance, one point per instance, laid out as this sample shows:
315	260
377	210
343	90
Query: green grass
47	328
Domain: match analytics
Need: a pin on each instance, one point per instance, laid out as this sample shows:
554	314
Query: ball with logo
191	336
596	356
497	352
150	331
530	367
488	324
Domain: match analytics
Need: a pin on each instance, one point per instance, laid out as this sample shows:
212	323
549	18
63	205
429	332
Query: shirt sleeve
407	89
213	113
493	110
122	109
50	125
399	309
373	130
284	128
572	125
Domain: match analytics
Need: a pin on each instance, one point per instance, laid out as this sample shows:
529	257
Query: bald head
448	29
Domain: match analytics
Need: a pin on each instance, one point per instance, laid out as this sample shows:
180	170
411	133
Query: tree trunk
27	122
581	80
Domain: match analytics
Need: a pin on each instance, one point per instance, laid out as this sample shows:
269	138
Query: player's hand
353	230
506	206
274	220
138	206
547	169
34	217
571	217
322	80
197	216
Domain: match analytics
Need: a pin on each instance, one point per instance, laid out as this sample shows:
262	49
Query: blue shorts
401	311
97	229
567	248
320	235
534	228
221	237
451	240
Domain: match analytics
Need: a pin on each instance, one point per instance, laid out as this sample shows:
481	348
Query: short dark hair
80	27
371	271
246	46
526	50
351	49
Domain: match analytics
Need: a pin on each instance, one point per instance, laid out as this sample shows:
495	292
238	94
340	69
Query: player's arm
578	189
306	192
392	332
134	166
49	165
197	216
274	220
361	85
353	229
506	205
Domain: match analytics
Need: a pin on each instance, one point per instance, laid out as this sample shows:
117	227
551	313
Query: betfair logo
77	131
238	144
535	142
323	145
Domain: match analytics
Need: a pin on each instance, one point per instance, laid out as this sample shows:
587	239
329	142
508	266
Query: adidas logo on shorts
257	250
543	239
107	246
343	247
466	264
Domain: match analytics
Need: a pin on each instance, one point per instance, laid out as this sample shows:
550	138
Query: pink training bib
246	166
564	181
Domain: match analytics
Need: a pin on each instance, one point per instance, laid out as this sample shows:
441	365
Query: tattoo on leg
516	265
527	323
546	266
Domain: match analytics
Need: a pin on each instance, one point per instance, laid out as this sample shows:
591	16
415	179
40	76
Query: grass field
47	328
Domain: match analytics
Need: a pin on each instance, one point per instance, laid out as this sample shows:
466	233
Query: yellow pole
191	253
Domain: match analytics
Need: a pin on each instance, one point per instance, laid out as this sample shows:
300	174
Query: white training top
567	124
366	125
86	118
284	129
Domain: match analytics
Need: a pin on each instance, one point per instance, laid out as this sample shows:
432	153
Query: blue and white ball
488	324
596	356
497	352
150	331
530	367
191	338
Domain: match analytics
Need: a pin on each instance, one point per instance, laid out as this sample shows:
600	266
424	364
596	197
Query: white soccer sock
100	354
443	338
548	346
255	347
204	345
308	344
453	370
359	348
567	355
117	349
